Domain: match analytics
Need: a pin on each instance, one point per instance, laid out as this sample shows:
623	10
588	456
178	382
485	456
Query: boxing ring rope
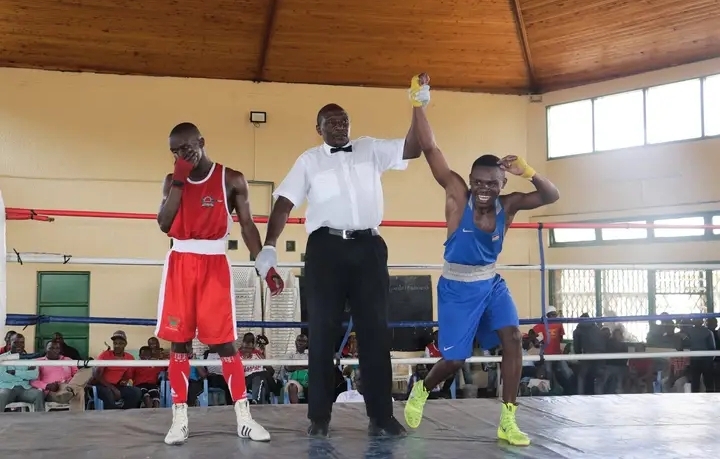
50	214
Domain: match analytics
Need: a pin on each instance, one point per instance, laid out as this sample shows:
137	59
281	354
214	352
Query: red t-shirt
146	375
431	350
114	375
552	342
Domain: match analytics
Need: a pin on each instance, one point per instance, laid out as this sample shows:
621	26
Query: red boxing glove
274	282
182	170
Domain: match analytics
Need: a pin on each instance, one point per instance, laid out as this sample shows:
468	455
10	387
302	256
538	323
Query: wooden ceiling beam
267	39
533	87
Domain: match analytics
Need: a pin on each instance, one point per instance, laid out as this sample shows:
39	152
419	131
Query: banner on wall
3	265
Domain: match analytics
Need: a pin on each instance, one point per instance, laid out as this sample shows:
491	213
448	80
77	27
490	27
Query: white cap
550	309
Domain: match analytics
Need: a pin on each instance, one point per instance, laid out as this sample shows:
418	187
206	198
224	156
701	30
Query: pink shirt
49	375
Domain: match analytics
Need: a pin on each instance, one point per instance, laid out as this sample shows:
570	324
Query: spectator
350	351
261	341
65	385
195	387
558	371
113	388
701	339
215	378
616	369
15	381
355	395
8	337
678	375
147	379
65	349
158	353
297	376
662	335
421	371
255	375
588	338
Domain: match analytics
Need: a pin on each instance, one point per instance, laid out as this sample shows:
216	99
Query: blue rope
32	319
347	336
543	306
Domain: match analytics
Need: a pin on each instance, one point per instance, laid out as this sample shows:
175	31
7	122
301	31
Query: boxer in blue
474	302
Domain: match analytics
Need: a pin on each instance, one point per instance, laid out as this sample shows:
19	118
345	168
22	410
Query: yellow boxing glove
524	169
419	91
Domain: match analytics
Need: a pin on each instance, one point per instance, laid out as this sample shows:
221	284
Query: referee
345	259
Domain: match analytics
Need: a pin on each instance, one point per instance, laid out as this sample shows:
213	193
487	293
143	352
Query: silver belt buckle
347	234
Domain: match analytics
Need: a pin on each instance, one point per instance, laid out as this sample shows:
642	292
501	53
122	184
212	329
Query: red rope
48	214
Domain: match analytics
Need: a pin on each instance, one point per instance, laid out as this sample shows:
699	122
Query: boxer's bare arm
456	190
545	193
241	204
169	206
278	219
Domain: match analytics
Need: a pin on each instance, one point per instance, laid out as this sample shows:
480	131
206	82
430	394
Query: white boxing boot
178	433
246	425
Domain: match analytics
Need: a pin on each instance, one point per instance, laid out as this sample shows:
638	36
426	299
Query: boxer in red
196	294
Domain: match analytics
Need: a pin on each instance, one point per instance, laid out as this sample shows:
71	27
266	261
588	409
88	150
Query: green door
63	294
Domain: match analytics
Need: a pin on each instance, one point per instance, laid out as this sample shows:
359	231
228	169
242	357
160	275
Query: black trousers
352	271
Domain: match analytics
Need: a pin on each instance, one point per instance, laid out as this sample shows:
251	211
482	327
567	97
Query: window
716	221
629	292
574	235
711	105
618	234
619	121
673	112
680	232
570	129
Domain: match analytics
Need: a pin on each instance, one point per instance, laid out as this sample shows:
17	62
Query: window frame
650	239
645	143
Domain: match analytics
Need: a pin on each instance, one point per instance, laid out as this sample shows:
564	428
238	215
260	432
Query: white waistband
468	273
199	246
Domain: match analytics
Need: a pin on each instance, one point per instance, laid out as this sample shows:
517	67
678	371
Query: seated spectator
355	395
261	342
297	376
528	366
65	385
8	337
65	349
350	350
421	371
112	382
195	387
679	373
147	379
158	353
255	375
15	381
215	377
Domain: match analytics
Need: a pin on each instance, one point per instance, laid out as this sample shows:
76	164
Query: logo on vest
209	201
496	237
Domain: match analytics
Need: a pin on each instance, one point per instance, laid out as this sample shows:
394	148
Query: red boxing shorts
197	294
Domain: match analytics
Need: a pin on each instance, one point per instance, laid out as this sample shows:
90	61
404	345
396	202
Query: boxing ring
603	426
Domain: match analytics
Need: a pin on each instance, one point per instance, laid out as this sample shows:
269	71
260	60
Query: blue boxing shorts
469	311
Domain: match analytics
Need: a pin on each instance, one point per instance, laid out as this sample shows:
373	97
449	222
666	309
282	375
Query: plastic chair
52	406
22	406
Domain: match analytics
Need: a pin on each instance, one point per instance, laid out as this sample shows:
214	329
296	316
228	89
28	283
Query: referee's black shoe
318	429
389	427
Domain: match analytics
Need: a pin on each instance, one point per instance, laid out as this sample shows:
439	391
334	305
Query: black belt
350	234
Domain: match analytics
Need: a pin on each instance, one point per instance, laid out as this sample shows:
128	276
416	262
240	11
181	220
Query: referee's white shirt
343	189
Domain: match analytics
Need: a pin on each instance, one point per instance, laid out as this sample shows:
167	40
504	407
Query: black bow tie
336	149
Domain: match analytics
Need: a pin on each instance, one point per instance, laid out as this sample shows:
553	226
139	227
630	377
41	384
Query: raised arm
545	191
241	204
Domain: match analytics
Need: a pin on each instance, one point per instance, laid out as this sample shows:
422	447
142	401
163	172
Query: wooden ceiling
497	46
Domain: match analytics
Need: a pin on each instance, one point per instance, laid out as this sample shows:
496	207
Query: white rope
408	361
68	259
